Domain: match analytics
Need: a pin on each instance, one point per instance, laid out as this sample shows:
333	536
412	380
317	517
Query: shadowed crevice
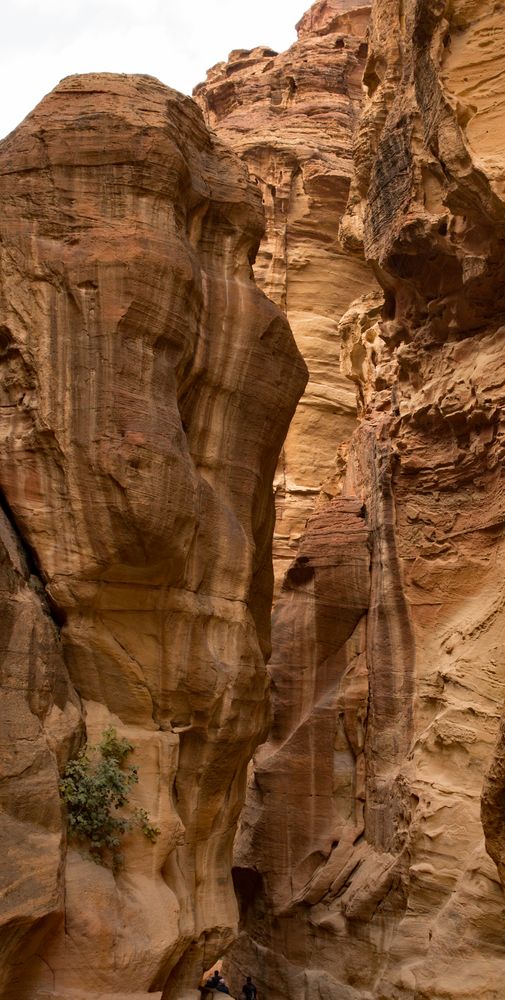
34	571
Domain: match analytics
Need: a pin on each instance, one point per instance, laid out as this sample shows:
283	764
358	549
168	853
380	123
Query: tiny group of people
216	982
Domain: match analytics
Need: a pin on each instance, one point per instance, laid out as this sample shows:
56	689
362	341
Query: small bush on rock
95	786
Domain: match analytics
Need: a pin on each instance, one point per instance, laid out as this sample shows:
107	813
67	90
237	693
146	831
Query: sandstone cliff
292	117
147	385
372	853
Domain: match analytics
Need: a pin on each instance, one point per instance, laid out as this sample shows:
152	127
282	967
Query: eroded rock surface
40	724
292	118
147	388
385	766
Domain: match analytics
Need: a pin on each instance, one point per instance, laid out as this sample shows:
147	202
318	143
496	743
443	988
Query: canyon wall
291	117
147	386
371	858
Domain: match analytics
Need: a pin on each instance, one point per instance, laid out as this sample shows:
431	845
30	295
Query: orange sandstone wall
147	386
292	117
370	859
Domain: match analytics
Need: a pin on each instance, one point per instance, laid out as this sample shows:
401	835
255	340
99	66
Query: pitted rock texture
385	765
292	118
147	388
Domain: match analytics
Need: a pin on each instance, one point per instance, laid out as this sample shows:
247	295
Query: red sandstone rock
148	387
292	118
408	903
39	725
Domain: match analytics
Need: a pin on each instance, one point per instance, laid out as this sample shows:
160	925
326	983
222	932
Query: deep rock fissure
33	569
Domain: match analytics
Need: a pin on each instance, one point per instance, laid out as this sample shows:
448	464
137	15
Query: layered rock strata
292	118
384	771
147	385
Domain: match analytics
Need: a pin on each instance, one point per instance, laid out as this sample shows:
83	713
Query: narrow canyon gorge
252	353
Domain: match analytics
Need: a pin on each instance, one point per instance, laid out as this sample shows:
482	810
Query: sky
41	41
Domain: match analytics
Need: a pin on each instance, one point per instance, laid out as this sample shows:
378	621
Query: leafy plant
95	786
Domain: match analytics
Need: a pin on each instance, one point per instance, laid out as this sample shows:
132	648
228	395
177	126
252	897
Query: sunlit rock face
147	388
292	117
384	771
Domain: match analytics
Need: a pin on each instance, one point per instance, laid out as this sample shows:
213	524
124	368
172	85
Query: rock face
147	385
39	726
292	118
371	860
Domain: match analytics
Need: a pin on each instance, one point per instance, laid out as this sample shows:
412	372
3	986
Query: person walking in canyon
249	990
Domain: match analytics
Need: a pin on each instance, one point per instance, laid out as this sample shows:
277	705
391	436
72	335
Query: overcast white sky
42	41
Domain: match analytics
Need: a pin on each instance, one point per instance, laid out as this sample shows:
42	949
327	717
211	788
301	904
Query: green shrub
95	786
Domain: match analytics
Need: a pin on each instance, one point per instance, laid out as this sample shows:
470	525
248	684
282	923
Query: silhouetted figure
216	982
249	989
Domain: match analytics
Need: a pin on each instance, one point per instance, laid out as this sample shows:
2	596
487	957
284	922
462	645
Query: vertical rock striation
147	386
384	771
292	118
